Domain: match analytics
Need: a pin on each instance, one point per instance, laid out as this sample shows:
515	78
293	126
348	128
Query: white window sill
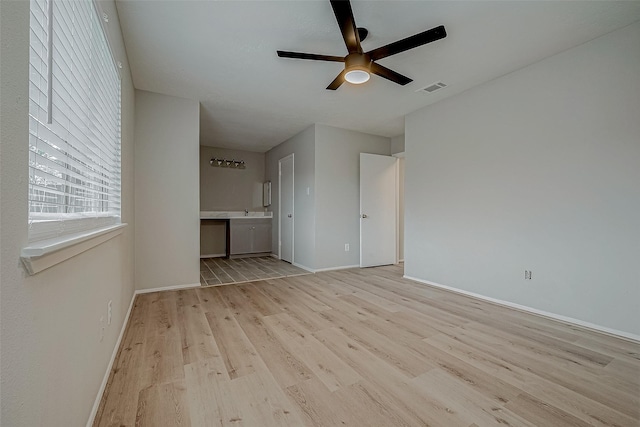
41	255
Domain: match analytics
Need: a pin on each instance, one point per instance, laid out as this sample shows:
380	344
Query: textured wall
53	360
303	147
167	240
228	189
536	170
338	192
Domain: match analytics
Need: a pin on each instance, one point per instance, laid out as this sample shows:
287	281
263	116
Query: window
74	121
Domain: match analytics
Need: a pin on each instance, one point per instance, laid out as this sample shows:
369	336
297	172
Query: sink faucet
246	212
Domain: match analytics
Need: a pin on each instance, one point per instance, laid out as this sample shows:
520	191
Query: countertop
234	215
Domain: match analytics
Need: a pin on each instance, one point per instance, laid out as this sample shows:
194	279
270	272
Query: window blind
74	121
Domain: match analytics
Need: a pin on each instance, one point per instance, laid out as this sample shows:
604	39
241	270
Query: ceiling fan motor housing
357	61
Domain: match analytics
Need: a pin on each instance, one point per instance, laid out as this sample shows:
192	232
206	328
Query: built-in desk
244	234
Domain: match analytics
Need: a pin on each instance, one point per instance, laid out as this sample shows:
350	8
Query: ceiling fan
360	65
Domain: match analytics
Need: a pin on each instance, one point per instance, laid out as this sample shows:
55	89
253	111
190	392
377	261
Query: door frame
397	205
399	156
293	206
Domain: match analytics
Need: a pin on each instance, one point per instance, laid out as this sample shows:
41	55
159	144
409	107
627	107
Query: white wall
229	189
327	164
536	170
397	144
167	238
303	147
337	176
53	361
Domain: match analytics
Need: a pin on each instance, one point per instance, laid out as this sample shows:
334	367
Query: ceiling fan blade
312	56
344	16
425	37
335	84
389	74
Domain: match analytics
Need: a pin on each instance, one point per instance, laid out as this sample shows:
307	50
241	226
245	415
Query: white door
378	189
285	214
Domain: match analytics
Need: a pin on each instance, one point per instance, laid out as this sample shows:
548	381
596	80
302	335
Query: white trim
41	255
342	267
167	288
397	210
587	325
320	270
105	379
397	207
304	267
360	209
45	247
293	207
213	256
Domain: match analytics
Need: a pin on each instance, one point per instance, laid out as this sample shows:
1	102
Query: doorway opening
378	210
286	212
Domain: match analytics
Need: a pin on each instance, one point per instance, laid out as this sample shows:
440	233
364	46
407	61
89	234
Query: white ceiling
223	54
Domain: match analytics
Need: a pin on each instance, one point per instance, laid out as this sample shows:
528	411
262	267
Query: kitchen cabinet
250	236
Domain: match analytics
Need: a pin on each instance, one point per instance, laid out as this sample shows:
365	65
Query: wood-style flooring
220	271
361	347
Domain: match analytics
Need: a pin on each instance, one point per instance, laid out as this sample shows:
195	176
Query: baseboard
167	288
253	255
304	267
565	319
319	270
96	404
213	256
343	267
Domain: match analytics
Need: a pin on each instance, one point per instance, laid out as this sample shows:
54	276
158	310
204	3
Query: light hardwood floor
361	347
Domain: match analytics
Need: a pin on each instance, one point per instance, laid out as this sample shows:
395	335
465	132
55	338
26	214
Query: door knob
289	215
364	215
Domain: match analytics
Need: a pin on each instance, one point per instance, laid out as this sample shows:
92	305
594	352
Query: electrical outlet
527	275
109	311
346	247
101	328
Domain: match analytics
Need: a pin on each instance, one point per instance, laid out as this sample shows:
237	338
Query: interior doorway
378	210
286	209
401	164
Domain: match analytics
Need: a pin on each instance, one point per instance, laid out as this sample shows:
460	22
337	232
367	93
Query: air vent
432	87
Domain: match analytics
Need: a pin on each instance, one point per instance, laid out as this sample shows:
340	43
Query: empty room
319	213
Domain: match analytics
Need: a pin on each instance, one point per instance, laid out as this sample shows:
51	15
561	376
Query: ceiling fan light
357	76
